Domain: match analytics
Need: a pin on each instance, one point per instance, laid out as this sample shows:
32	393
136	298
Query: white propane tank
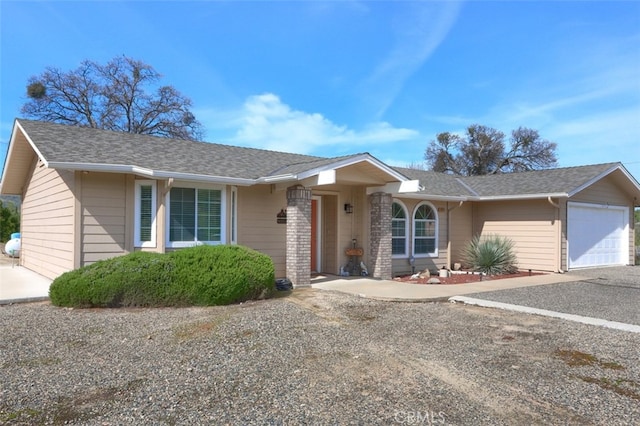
12	247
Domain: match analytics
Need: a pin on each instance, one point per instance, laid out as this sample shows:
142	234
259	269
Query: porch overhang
362	170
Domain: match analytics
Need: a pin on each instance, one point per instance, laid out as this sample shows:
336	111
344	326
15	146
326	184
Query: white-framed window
425	230
399	231
145	213
195	214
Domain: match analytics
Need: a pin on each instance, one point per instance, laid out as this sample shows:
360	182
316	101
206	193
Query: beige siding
532	225
47	222
103	216
606	191
352	225
257	227
461	229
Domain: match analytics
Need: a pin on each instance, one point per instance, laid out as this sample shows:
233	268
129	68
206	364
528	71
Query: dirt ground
312	357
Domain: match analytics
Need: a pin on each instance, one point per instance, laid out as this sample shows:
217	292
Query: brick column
299	235
380	235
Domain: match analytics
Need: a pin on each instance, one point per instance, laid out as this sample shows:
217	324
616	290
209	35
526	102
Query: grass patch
36	362
196	329
579	359
78	409
24	416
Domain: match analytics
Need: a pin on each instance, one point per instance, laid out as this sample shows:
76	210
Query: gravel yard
607	293
313	357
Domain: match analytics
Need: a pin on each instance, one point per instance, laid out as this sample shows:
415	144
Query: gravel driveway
313	357
607	293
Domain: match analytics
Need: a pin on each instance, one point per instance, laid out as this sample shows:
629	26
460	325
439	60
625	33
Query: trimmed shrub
220	275
202	275
491	255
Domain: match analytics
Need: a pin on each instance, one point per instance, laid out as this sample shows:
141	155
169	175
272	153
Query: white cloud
266	122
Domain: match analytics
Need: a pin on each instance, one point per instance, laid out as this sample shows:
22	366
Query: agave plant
492	255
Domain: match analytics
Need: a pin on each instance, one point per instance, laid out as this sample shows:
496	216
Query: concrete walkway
18	284
406	292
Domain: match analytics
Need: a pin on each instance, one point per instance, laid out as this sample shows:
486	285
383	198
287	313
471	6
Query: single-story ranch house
92	194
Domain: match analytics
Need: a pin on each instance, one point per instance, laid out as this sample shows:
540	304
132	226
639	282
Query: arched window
398	229
425	231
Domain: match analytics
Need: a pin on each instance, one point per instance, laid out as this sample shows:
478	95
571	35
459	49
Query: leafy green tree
483	150
9	220
121	95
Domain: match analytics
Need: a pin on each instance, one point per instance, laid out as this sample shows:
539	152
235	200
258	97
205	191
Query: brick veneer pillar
380	235
299	235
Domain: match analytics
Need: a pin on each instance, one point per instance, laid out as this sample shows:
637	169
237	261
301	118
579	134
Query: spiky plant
492	255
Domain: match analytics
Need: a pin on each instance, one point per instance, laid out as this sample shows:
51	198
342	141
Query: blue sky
337	77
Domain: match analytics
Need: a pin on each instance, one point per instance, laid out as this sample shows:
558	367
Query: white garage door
597	235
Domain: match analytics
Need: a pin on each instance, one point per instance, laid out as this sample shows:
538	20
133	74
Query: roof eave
593	180
279	178
17	129
520	197
158	174
423	196
613	168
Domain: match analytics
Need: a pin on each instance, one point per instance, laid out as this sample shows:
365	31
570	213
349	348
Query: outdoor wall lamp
348	208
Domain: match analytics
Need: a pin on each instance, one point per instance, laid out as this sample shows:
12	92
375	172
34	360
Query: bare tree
481	151
122	95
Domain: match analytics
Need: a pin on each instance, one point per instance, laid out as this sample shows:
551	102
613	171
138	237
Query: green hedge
202	275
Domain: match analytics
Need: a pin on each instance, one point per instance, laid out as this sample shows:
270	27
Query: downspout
449	210
558	261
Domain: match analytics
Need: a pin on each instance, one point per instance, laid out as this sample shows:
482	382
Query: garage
598	235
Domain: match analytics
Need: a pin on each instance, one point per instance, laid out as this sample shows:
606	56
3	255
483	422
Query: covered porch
338	220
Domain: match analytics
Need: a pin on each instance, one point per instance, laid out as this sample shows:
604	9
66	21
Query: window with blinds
196	214
145	213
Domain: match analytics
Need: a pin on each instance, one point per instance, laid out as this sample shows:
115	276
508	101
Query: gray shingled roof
553	181
437	184
69	144
62	144
310	164
540	182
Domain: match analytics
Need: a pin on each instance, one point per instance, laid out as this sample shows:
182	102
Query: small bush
491	255
203	275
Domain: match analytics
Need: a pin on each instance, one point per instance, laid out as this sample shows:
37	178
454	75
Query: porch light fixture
348	208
